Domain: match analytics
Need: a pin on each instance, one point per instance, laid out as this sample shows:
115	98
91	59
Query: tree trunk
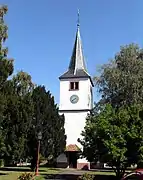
119	173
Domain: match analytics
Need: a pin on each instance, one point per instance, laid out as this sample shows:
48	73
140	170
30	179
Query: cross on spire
78	14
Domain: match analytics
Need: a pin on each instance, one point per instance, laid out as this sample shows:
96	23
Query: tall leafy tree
24	111
18	116
6	69
121	80
47	120
114	131
114	136
6	65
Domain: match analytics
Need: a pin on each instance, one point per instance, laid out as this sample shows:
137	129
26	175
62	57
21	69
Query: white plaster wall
75	120
83	93
74	124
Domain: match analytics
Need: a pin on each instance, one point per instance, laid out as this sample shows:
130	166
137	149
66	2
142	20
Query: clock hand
73	99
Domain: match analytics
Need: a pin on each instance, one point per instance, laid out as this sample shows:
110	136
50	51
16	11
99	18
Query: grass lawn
100	173
13	173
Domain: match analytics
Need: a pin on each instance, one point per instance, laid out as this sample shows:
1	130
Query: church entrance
72	152
72	159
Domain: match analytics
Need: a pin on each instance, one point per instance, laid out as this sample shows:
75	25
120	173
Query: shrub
26	176
86	176
41	159
1	162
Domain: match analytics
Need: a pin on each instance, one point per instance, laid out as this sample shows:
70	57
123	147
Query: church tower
76	99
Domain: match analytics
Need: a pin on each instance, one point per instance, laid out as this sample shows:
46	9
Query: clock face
74	99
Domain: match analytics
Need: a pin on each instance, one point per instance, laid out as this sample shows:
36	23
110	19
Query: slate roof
77	68
70	74
77	58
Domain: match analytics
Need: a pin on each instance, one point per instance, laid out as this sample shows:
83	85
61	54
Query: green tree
6	65
113	132
47	120
114	136
18	116
23	84
6	69
121	81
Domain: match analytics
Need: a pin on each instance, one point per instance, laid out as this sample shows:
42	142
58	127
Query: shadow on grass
104	177
101	170
2	174
54	169
75	177
17	169
49	176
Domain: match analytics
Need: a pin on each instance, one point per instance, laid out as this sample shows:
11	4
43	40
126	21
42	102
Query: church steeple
77	58
77	68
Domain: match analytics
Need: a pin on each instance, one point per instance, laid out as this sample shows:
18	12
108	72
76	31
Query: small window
74	85
71	85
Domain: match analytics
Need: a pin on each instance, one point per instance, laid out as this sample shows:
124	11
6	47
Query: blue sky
42	33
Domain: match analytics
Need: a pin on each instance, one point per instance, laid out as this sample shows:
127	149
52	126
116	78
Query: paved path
69	174
72	174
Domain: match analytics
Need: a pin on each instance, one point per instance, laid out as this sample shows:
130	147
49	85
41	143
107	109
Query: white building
76	101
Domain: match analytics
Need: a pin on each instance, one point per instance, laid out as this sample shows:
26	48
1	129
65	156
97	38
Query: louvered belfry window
74	86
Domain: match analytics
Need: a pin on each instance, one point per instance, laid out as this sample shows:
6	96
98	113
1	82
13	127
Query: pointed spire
77	68
77	58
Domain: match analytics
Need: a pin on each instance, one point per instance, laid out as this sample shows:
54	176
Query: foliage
47	120
86	176
121	81
18	115
25	109
6	65
41	158
6	69
114	130
1	162
26	176
23	84
114	136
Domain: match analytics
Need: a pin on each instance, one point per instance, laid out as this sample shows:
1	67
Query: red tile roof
72	147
